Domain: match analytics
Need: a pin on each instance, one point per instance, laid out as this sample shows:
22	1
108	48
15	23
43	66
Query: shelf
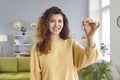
21	35
22	45
22	54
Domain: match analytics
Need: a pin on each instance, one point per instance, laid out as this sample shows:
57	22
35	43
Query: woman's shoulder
70	40
34	47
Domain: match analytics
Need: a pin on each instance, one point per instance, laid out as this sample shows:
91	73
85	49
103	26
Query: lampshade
3	38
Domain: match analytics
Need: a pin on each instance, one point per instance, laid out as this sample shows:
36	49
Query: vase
103	53
23	33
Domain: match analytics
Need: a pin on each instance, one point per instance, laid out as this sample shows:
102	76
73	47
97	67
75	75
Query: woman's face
56	24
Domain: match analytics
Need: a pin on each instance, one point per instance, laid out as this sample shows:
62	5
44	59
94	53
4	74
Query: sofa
15	68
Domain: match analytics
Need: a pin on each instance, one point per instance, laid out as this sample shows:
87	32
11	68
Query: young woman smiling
55	55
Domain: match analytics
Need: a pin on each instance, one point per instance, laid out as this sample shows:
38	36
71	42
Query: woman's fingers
89	21
98	25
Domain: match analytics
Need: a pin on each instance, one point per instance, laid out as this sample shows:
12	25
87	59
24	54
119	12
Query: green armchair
15	68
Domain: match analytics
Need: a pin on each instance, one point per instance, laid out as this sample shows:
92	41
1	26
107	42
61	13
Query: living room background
29	10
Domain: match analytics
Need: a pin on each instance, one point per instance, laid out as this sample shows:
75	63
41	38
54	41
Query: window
100	10
105	14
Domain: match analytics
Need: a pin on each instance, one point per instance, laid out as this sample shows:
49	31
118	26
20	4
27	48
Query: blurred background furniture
15	68
3	38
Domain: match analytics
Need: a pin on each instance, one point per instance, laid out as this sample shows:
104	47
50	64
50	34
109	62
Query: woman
56	56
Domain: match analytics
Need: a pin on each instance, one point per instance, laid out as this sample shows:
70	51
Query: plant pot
23	33
103	53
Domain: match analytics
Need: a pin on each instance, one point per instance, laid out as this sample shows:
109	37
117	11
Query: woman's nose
56	23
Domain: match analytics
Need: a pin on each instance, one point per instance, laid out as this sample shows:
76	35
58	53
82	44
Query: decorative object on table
17	42
23	30
19	25
103	48
33	24
28	51
3	38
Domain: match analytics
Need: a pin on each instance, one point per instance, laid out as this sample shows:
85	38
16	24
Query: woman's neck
55	38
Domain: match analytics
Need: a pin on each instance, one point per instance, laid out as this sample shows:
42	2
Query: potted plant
23	29
98	71
103	48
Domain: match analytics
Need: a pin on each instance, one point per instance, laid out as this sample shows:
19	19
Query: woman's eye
51	21
60	21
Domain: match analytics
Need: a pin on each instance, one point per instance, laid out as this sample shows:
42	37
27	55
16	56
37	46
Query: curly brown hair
43	33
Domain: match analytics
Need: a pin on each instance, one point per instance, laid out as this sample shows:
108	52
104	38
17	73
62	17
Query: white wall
115	35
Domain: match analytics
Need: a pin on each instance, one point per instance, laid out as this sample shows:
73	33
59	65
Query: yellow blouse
62	63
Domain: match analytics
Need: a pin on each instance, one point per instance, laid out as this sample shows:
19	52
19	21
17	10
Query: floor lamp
3	38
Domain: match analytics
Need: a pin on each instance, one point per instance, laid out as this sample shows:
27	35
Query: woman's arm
83	57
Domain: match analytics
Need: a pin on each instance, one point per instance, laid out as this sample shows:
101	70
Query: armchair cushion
7	65
24	64
15	76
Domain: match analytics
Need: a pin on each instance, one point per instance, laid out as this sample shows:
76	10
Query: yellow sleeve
83	56
34	65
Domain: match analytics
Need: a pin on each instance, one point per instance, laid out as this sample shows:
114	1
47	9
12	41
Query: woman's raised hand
90	27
